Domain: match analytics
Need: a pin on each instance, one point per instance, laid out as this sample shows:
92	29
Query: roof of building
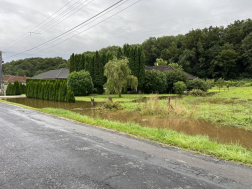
12	79
168	68
53	74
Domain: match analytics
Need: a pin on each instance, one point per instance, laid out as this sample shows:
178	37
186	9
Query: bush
155	81
9	90
17	89
197	92
173	77
80	83
179	87
197	84
70	96
111	105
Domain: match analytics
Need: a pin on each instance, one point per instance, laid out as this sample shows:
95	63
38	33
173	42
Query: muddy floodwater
223	134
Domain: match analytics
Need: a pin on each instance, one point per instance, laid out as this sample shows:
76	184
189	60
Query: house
168	68
11	79
53	74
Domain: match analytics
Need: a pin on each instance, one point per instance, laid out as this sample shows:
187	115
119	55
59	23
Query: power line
91	26
41	23
28	39
59	17
68	30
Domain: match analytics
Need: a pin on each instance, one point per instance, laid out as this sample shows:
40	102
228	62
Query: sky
35	28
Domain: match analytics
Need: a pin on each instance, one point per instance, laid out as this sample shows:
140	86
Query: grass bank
200	144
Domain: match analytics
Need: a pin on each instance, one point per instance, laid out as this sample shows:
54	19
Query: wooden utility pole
1	71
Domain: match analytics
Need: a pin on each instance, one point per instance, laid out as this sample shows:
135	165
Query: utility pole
1	71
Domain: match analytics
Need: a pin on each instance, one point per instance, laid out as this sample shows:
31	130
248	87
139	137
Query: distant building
168	68
53	74
11	79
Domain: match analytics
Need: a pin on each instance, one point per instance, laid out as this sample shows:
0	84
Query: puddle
222	134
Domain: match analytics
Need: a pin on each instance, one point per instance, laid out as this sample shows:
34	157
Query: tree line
212	52
95	63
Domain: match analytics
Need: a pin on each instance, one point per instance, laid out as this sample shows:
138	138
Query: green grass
124	98
200	144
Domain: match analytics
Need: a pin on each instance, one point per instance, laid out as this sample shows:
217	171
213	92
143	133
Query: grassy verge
201	144
198	144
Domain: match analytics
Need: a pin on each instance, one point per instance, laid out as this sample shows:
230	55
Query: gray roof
168	68
53	74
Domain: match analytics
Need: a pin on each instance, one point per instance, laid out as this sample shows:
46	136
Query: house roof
12	79
53	74
168	68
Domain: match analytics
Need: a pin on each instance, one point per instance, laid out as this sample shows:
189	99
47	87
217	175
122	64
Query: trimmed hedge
54	90
15	89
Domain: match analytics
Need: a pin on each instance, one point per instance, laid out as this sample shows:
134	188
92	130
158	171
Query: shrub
179	87
155	81
197	84
9	90
17	89
80	83
197	92
173	77
111	105
70	96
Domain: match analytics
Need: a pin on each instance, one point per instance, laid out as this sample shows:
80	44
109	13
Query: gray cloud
148	18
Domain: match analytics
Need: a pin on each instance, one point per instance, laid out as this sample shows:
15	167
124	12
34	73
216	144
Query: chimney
24	75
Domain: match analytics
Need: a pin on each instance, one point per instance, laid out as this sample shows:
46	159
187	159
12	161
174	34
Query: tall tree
141	79
131	60
136	63
72	66
97	64
119	53
118	74
82	62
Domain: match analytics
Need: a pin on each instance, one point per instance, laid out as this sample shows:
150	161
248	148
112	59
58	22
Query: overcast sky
147	18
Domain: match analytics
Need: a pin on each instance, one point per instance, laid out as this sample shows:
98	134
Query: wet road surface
43	151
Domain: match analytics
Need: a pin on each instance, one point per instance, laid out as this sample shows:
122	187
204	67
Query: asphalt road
43	151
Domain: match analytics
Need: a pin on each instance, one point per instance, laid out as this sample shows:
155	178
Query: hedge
54	90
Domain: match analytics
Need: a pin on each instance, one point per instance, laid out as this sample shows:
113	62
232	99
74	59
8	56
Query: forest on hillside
33	66
211	52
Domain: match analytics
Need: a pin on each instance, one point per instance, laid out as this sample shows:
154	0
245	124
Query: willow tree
118	76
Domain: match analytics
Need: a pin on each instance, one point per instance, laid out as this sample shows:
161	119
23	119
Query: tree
141	77
97	64
173	77
80	83
119	53
160	62
176	65
135	71
179	87
17	89
155	81
220	83
82	62
118	76
72	63
131	60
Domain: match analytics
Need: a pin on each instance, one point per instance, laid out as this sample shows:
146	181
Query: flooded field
222	134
